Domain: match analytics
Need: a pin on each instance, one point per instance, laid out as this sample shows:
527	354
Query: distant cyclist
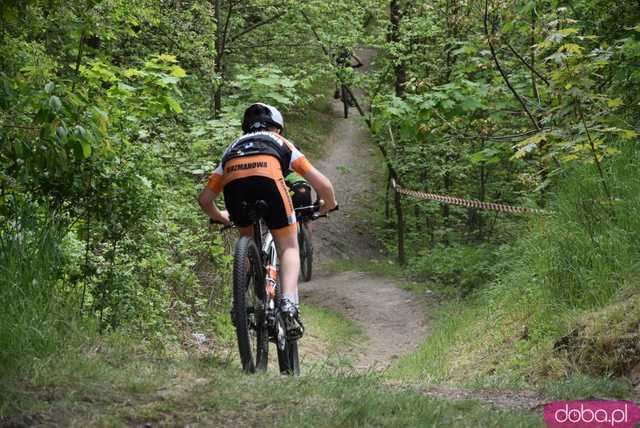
344	69
252	169
299	190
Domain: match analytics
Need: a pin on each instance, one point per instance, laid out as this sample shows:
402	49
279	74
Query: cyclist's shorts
253	178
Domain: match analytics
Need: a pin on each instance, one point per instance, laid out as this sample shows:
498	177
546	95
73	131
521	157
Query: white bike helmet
260	116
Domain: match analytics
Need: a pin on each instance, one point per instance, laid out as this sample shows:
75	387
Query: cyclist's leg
287	244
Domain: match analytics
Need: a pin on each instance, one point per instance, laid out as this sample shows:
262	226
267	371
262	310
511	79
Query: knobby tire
306	252
248	281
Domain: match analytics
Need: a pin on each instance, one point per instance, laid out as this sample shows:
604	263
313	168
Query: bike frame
269	257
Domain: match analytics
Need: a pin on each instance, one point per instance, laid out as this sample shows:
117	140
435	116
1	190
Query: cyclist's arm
206	199
299	163
323	187
208	196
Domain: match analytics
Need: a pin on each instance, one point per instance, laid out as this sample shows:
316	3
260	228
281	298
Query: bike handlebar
315	207
223	228
315	210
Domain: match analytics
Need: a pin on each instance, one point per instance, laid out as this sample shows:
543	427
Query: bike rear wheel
248	306
306	252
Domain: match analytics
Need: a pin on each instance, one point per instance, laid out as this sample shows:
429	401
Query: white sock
292	297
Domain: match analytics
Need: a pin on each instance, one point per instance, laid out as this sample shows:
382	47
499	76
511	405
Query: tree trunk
387	209
400	228
400	71
217	94
532	42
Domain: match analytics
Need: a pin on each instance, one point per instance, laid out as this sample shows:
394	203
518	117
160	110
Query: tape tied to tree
467	203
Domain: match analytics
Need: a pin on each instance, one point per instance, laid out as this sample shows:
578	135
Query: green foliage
563	306
457	270
268	84
35	320
107	131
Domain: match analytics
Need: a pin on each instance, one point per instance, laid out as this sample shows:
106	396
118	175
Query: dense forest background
112	114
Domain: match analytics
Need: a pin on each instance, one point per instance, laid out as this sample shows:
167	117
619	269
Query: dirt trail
392	318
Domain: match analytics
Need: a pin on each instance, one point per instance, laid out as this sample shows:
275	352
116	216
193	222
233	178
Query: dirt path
392	318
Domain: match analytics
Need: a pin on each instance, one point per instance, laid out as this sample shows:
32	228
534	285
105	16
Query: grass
121	384
121	379
329	335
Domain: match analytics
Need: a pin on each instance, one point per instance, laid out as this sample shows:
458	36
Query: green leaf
628	134
280	98
49	87
529	145
169	80
471	103
167	58
569	31
55	103
571	48
86	148
173	104
178	71
616	102
132	72
126	88
103	119
61	132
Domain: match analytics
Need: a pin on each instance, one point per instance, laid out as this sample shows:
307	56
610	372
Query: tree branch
313	30
256	25
522	60
502	73
225	31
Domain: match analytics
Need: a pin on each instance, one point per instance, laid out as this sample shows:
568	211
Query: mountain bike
305	215
256	298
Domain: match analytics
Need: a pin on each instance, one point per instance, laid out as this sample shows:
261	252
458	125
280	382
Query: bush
458	269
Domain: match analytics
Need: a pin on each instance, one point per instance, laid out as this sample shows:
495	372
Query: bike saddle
260	209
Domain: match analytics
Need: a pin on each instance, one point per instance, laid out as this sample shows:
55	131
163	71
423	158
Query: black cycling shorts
280	219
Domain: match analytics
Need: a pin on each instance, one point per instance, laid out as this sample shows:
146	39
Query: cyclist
252	169
344	69
299	190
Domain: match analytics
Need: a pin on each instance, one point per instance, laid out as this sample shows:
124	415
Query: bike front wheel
306	252
249	307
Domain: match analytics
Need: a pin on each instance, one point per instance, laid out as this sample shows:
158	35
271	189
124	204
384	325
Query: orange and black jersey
259	150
